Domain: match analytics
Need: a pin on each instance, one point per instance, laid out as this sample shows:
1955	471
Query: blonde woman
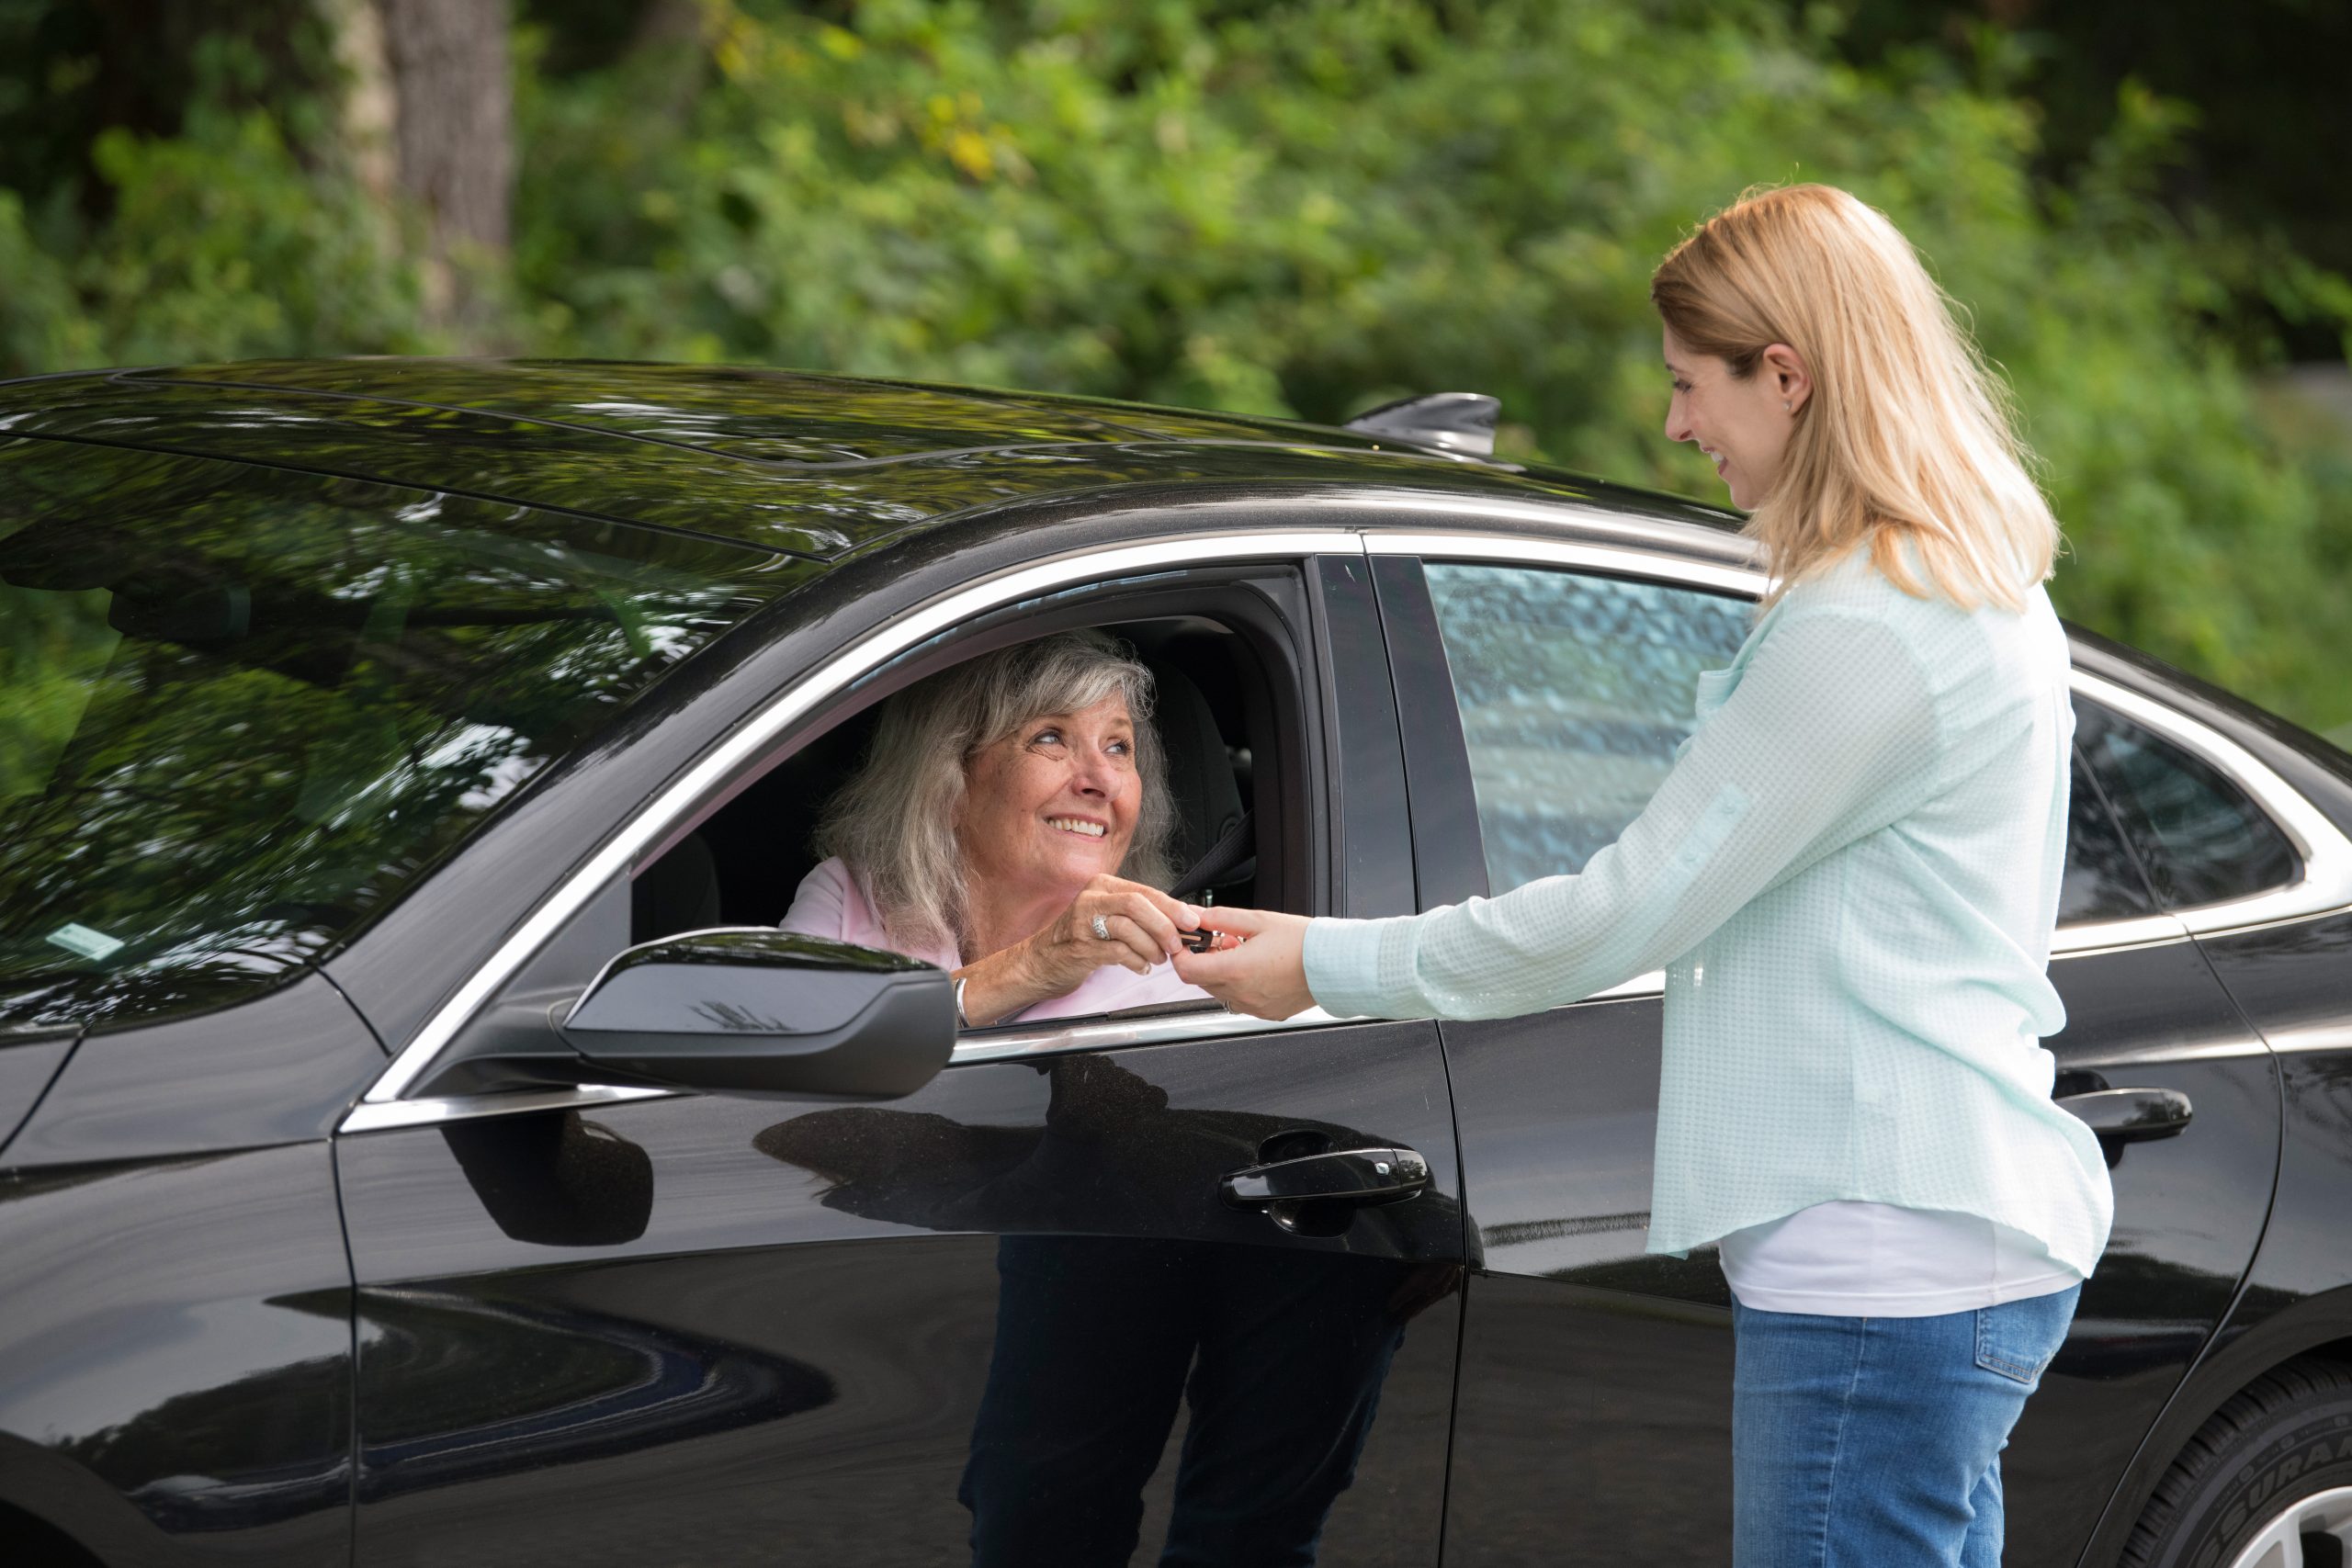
1850	878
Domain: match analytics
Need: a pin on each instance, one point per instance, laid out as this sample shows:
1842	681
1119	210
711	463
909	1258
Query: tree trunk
370	108
453	145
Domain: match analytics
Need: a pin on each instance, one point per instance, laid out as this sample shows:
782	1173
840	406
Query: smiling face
1742	426
1052	804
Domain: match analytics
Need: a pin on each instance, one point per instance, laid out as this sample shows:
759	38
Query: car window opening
1213	708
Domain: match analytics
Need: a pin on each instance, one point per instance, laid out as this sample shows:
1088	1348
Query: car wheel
2267	1482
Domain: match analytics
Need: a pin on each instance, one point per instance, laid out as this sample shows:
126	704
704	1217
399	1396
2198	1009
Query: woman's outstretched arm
1830	735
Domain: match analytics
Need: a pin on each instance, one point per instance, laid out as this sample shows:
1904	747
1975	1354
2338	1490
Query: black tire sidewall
2290	1456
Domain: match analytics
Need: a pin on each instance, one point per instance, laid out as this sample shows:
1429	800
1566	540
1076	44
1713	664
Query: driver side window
1216	779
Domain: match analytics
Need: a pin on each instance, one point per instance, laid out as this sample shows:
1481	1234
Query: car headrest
1200	773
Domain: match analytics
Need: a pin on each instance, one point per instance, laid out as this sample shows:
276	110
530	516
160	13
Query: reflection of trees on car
250	1451
288	697
579	1385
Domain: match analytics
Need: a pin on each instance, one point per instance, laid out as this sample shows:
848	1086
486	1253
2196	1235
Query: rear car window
2202	838
2102	880
247	707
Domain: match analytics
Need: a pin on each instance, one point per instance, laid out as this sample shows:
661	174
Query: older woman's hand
1266	974
1143	924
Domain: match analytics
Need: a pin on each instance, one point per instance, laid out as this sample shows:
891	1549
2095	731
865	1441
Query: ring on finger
1102	928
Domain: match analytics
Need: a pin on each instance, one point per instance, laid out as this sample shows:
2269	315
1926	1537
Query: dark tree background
1292	207
2265	87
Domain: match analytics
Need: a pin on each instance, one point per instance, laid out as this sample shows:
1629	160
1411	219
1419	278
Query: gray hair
894	821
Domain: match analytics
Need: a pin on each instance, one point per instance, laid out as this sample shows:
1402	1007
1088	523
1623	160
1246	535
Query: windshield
242	709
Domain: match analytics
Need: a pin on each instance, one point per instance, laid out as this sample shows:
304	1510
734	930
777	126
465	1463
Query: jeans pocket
2018	1339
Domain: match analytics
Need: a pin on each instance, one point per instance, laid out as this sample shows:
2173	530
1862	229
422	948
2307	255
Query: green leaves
1299	208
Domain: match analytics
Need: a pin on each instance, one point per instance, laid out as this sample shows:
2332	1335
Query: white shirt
1855	1259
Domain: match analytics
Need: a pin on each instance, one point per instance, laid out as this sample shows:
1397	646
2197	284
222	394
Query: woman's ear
1792	381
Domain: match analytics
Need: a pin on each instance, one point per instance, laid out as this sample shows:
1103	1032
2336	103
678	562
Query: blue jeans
1862	1441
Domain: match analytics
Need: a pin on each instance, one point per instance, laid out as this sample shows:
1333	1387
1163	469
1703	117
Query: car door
610	1327
1548	687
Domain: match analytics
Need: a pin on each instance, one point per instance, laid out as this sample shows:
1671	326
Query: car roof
808	465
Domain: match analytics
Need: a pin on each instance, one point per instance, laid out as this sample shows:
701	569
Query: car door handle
2131	1115
1347	1176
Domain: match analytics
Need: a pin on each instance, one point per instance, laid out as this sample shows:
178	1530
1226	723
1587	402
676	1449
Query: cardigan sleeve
1830	735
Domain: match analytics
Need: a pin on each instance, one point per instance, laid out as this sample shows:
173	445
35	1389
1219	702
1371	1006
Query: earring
1784	404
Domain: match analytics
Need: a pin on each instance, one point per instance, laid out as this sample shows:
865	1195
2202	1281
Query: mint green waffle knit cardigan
1850	876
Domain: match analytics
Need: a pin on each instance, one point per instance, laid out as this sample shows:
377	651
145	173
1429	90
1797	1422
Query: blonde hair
894	822
1907	438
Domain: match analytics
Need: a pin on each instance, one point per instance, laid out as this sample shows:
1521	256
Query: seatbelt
1237	848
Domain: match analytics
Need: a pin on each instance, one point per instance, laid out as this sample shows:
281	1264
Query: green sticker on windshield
84	941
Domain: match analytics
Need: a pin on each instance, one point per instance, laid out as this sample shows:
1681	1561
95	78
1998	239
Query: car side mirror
759	1011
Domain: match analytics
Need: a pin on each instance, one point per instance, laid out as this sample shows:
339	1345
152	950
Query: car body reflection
1107	1327
579	1386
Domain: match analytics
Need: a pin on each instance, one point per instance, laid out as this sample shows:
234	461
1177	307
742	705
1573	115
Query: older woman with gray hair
1010	825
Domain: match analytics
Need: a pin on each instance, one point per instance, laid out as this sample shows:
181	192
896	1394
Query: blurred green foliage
1300	207
2259	85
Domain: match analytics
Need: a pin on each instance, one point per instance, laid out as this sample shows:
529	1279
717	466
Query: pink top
831	902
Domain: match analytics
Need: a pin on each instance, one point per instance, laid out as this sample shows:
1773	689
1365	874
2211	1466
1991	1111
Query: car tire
2276	1461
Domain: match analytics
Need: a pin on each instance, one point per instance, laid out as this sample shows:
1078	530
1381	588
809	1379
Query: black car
420	1147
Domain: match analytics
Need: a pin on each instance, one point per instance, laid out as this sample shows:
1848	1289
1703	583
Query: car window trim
2075	940
1017	1041
2324	888
682	795
1004	1042
2325	885
1607	560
